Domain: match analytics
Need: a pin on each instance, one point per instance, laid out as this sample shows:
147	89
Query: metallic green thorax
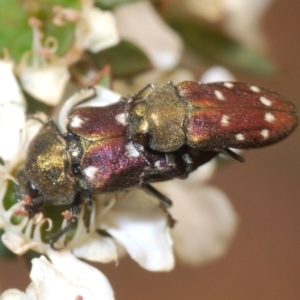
161	114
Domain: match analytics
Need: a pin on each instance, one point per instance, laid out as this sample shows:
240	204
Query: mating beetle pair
156	135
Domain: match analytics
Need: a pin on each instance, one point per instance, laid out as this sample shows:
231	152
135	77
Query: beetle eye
31	190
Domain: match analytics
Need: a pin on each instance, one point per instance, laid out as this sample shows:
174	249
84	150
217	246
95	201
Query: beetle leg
170	160
158	173
233	155
75	210
35	206
58	235
164	202
89	202
189	165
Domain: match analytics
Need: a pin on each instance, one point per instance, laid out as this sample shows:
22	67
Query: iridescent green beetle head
45	177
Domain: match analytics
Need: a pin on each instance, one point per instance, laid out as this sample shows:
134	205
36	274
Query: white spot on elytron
225	120
157	164
265	101
254	89
240	137
219	95
265	133
76	122
269	117
131	150
90	172
229	85
121	119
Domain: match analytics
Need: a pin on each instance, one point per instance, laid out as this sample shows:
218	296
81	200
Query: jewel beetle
158	134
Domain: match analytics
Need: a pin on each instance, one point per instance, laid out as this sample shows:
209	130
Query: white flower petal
206	221
97	248
45	83
13	294
17	243
66	278
215	74
243	21
12	119
138	223
10	91
12	111
25	135
140	24
96	30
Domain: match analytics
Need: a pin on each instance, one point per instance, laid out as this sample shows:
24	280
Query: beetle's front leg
72	216
89	203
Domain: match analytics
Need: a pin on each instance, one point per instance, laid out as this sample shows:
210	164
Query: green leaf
29	256
125	59
14	31
215	46
14	15
9	197
4	251
110	4
34	105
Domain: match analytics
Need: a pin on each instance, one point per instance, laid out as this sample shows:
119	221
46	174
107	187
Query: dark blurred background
264	259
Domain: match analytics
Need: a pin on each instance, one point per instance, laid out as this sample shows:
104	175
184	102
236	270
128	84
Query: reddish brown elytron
236	114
